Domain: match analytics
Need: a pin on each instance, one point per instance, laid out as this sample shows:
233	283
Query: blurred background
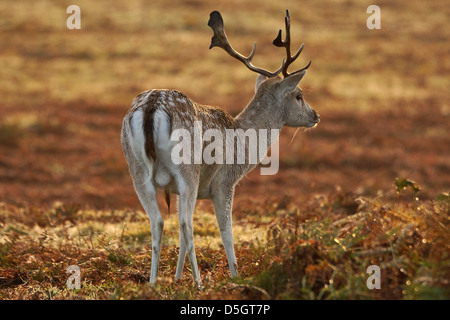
382	94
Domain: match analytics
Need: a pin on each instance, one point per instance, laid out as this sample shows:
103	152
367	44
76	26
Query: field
368	186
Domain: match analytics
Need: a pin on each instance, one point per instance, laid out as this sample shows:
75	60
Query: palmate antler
220	39
287	44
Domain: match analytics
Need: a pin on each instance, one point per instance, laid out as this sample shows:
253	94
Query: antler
220	40
287	44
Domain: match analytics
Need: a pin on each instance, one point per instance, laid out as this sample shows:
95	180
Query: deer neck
265	120
258	115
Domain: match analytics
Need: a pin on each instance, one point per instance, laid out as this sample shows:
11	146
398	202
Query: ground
337	204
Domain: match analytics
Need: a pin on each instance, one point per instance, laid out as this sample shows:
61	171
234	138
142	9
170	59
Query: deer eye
299	96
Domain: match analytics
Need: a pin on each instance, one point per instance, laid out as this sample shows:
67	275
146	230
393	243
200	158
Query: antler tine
220	39
286	43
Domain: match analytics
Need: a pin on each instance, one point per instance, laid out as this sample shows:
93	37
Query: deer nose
316	117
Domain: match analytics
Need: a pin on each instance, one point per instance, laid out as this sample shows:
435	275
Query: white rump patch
138	142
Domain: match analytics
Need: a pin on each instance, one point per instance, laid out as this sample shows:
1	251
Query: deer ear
259	79
291	82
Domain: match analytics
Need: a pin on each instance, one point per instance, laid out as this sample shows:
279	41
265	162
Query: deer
147	145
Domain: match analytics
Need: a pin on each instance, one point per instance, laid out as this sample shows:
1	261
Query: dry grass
123	49
320	251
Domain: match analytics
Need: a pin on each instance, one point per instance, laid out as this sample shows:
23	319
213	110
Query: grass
319	251
327	257
124	41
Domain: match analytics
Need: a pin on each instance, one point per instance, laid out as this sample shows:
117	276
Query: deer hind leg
146	192
147	197
187	189
223	201
141	170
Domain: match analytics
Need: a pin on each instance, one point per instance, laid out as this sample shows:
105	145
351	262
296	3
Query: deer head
280	96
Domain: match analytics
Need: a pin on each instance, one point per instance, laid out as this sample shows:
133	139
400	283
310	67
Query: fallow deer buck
147	145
